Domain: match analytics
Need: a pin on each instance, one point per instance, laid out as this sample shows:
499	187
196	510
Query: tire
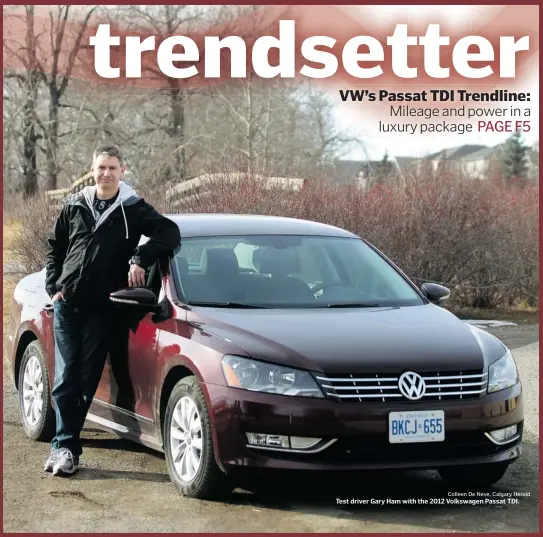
204	480
483	475
37	413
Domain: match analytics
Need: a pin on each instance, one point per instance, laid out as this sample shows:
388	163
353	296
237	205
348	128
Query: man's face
107	173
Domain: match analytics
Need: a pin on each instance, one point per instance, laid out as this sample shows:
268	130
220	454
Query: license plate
416	426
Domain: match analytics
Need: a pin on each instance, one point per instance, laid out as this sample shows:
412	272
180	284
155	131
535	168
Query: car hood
422	338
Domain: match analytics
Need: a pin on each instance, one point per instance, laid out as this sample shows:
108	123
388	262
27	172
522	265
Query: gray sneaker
51	461
67	463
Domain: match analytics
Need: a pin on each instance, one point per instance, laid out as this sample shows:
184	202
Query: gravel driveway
124	487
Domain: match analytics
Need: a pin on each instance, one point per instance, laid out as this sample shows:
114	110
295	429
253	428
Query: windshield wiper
352	305
240	305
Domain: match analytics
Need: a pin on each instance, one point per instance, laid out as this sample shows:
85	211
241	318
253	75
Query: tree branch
75	50
88	110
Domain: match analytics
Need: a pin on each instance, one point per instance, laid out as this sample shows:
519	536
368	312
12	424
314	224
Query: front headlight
502	373
262	377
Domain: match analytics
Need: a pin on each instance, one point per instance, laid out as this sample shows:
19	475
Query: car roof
214	224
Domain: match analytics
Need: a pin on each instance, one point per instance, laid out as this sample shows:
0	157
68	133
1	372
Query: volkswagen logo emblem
412	385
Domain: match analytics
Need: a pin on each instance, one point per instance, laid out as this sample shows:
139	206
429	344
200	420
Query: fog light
500	436
280	441
303	442
268	440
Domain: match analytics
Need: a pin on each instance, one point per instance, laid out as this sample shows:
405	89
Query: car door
127	384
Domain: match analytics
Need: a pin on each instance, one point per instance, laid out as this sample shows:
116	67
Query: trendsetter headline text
362	56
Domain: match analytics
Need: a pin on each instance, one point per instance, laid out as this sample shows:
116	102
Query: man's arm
164	237
57	246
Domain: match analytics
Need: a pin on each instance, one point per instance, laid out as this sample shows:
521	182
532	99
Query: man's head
107	170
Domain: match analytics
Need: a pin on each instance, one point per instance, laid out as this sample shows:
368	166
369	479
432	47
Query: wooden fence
56	196
181	193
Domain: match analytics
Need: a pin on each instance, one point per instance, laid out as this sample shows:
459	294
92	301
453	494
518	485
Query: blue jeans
82	339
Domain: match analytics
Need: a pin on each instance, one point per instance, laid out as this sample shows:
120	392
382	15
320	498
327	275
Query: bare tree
170	134
23	47
63	42
51	65
168	20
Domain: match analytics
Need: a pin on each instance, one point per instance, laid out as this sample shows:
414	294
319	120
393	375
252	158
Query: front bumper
359	431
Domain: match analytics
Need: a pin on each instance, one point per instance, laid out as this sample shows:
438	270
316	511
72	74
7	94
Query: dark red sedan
275	343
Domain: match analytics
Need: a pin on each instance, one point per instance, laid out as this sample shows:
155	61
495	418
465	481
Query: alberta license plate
416	426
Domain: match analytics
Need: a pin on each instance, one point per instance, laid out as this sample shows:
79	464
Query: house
479	164
451	156
478	161
361	171
533	155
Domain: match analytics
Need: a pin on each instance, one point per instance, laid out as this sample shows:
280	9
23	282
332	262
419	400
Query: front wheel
483	475
188	444
37	412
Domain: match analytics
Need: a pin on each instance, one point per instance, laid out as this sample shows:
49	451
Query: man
93	250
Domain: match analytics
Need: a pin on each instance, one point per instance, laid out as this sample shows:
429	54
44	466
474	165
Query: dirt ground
122	487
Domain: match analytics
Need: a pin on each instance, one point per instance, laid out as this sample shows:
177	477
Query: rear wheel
483	475
37	413
188	444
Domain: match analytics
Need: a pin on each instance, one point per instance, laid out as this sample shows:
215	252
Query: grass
516	315
10	281
9	286
10	229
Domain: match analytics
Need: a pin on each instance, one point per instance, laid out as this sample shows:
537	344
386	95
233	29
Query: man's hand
136	276
58	296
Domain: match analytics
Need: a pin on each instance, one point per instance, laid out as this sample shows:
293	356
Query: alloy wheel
186	439
32	391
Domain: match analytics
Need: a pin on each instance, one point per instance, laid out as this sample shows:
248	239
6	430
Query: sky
365	125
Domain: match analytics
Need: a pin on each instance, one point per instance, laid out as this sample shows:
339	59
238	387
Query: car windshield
286	271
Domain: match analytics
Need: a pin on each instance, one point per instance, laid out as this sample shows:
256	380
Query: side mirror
434	292
136	297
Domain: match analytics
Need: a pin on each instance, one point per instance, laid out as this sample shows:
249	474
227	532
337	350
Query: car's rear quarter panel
27	321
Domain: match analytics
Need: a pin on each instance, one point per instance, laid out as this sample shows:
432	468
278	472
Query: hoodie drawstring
124	215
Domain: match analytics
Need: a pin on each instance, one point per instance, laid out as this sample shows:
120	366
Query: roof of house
482	153
404	161
457	152
351	168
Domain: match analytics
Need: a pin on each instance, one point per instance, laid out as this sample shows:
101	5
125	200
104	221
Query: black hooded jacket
88	255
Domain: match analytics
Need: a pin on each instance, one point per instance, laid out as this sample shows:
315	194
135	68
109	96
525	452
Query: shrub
32	220
475	237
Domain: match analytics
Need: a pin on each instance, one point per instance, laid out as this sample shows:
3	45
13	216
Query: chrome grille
383	387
